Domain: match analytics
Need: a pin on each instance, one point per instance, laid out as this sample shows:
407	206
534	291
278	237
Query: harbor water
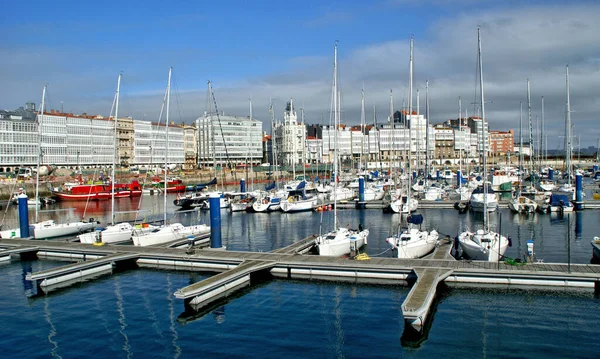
134	313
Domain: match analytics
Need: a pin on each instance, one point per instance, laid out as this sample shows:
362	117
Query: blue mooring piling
243	186
437	175
578	191
595	168
215	220
458	178
23	216
361	189
550	174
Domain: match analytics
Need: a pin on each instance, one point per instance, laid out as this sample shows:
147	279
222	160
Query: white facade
228	139
314	150
18	143
150	145
462	140
290	138
76	141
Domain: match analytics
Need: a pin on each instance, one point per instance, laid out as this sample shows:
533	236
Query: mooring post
215	220
361	189
437	175
550	174
23	216
190	243
458	178
414	174
499	236
243	186
578	191
595	168
569	242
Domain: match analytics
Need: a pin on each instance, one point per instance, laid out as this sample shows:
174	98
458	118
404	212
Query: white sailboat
49	228
413	242
405	203
174	231
568	187
520	203
483	244
340	241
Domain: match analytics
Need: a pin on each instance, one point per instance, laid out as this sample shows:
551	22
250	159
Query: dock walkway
289	263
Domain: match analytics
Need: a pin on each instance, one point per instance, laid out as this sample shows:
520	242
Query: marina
238	270
379	212
254	258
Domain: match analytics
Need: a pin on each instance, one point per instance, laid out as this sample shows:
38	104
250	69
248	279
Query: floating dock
238	268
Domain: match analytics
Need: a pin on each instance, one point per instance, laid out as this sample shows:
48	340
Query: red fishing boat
84	192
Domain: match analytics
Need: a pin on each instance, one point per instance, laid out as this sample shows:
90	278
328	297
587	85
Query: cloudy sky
281	49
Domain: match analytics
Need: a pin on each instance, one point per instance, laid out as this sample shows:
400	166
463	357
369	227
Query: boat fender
509	241
290	199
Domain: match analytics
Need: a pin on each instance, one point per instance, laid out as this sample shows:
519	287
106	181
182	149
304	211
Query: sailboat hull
299	205
167	234
117	234
413	243
483	246
341	242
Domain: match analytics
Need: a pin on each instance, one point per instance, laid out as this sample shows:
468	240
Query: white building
150	145
290	137
18	143
72	141
314	150
228	140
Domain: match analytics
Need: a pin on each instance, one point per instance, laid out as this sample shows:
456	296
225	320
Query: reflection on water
122	324
52	331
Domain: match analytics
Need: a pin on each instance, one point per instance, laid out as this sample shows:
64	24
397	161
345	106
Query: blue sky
283	49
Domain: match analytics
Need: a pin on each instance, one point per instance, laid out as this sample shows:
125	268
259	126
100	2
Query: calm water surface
134	313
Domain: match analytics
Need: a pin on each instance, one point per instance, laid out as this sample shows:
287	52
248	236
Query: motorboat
522	204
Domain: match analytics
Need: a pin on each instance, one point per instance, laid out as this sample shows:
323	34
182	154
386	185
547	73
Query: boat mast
462	140
521	145
568	130
167	147
251	158
304	146
37	176
112	196
544	147
410	84
273	142
378	139
480	63
427	131
418	133
212	127
531	148
362	129
392	158
335	139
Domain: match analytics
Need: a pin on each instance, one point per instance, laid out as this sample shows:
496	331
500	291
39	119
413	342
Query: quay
239	269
